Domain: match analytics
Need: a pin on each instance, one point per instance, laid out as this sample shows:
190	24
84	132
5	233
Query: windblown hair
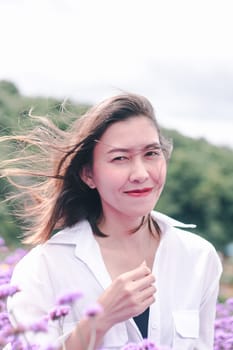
50	160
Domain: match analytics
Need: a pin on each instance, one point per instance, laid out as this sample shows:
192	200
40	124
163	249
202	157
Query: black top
142	322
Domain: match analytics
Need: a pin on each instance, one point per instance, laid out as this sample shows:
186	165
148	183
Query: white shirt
187	270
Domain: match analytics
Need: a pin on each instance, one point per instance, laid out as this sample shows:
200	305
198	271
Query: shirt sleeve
35	298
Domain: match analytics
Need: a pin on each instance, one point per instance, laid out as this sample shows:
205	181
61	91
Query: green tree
199	188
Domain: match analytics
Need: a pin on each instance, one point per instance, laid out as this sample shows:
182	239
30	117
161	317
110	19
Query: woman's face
129	168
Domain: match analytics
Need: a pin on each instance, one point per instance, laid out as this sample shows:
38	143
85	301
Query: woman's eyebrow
119	149
154	145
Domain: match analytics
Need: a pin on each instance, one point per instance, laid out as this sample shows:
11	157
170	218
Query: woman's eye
153	154
119	159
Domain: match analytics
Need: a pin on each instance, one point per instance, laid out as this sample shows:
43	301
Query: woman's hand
129	295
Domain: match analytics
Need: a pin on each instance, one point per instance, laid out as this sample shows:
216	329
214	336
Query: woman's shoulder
27	267
185	245
36	257
70	235
180	232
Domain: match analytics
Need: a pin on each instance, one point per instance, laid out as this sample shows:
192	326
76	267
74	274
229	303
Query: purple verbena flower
2	306
15	256
16	344
59	311
7	290
69	298
2	340
93	310
40	326
130	346
147	344
9	330
229	304
27	347
5	276
223	339
4	319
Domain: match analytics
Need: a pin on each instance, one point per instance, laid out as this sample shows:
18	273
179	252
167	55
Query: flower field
12	335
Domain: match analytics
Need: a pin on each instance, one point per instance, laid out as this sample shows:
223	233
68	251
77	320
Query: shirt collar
80	236
75	235
86	249
168	221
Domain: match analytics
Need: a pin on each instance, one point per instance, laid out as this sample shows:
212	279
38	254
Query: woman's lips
139	192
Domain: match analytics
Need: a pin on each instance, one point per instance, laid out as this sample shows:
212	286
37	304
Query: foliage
199	185
199	188
14	111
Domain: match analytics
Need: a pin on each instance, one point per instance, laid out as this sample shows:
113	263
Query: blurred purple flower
131	346
147	344
59	311
2	340
16	344
5	276
27	347
2	306
4	319
7	290
8	330
223	338
93	310
40	326
69	298
229	304
15	256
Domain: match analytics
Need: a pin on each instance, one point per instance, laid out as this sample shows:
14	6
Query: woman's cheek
161	176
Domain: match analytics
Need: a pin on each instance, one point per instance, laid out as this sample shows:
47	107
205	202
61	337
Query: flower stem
92	335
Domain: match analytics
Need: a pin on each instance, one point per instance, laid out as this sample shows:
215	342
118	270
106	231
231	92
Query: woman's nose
138	172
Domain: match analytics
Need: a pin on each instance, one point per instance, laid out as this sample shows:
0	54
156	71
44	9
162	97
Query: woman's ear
86	176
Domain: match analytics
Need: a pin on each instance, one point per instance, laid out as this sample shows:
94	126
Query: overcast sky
178	53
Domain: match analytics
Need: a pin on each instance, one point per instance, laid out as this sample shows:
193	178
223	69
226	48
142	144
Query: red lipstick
139	192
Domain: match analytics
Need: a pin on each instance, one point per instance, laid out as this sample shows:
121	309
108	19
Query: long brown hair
54	195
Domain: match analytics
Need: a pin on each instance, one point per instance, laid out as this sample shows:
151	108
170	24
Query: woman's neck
123	227
131	232
123	250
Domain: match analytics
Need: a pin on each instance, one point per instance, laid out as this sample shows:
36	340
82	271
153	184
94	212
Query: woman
100	181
